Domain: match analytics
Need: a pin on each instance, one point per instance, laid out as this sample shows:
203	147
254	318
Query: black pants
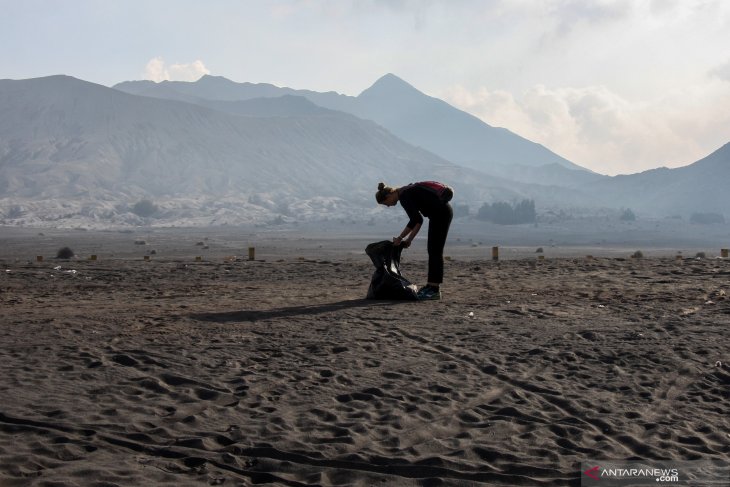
438	230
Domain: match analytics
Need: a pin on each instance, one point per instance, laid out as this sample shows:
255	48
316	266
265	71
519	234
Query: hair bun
381	186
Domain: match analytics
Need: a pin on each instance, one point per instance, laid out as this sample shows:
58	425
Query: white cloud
156	70
600	130
722	71
570	13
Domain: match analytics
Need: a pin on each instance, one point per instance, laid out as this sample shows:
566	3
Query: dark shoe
429	293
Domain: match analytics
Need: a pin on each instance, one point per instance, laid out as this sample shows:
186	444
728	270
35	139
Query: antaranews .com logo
608	473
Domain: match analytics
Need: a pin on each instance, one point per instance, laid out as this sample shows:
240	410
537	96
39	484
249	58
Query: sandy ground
277	372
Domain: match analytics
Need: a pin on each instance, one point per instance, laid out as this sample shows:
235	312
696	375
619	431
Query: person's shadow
292	311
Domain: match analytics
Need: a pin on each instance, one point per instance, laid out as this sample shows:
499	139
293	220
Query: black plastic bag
387	281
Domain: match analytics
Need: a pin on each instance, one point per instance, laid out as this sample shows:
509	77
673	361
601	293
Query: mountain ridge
413	116
64	138
71	147
697	187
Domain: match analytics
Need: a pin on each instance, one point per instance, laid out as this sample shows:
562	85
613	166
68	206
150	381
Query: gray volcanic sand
278	372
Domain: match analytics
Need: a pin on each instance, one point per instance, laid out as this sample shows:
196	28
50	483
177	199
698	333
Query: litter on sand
387	281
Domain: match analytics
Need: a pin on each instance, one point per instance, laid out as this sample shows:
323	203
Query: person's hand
397	241
405	244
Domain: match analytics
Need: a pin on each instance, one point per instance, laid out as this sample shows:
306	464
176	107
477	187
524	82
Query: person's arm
407	235
414	223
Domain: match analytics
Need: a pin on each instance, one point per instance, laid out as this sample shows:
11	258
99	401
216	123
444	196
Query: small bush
701	255
637	255
144	208
504	213
628	216
64	253
539	250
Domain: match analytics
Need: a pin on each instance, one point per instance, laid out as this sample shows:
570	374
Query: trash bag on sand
387	281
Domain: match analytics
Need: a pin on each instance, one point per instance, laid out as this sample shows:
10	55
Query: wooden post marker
146	257
92	257
39	258
251	253
724	253
540	257
495	253
198	258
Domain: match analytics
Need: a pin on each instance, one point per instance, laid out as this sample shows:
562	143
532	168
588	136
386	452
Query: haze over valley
218	152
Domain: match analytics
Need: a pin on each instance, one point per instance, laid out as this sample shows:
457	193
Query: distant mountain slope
214	88
391	102
281	106
69	147
65	138
444	130
275	104
698	187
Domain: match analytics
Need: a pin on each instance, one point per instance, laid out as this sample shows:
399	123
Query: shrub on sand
64	253
144	208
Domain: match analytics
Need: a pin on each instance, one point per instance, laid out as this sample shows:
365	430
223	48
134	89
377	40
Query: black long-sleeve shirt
418	202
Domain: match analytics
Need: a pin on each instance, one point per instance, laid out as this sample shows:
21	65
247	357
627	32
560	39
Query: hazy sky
618	86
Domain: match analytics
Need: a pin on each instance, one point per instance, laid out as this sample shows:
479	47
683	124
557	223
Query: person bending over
429	199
